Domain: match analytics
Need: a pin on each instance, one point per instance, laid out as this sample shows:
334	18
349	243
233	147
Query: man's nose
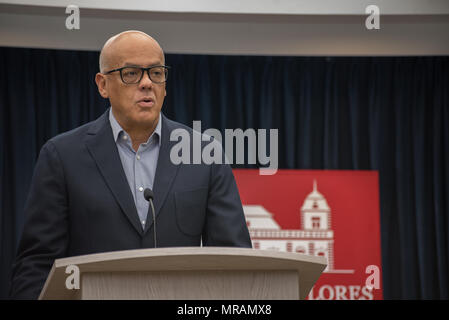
145	82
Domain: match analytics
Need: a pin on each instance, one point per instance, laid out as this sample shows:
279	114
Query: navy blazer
80	203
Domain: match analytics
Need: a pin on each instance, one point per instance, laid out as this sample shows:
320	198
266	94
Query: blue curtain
376	113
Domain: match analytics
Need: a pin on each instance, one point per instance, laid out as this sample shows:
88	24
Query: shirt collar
117	129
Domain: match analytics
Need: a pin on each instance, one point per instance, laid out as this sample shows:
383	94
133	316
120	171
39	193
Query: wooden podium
189	273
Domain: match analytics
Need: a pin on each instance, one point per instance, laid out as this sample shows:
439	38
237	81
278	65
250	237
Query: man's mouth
146	102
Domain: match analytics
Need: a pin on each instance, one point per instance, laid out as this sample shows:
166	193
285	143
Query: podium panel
215	285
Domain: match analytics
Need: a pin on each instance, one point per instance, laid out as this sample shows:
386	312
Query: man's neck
137	138
138	134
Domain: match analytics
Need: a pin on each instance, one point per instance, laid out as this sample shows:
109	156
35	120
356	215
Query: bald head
115	48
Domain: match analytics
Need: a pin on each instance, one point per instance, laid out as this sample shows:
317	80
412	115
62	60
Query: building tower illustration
314	238
316	222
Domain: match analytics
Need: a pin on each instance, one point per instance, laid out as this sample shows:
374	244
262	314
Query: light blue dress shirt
140	166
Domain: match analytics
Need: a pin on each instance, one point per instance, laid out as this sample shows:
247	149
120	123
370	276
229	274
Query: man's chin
146	120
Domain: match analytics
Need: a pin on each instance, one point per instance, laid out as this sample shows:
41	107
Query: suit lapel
100	143
165	171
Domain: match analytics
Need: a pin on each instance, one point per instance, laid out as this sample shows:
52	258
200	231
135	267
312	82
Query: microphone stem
154	221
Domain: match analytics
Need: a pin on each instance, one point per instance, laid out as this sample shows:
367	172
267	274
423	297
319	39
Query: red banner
327	213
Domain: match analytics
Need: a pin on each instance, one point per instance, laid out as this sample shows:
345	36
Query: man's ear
100	80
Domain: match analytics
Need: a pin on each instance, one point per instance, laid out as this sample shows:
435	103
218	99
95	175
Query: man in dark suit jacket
85	195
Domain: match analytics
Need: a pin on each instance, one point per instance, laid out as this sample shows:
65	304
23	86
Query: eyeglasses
132	75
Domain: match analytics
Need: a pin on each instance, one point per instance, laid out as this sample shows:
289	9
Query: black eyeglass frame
142	72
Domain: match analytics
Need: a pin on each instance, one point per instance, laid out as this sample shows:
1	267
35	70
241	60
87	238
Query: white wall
261	27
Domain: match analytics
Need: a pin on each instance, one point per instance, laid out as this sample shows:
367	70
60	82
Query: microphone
149	195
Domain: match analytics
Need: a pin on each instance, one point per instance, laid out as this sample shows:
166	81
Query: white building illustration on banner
314	238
